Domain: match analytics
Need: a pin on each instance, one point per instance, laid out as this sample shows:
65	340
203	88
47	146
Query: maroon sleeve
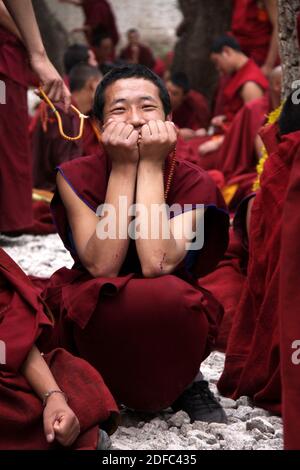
22	316
192	186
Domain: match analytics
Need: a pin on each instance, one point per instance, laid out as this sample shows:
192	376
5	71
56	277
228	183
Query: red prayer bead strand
171	174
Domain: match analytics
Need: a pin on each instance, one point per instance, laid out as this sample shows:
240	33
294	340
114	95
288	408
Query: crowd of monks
238	294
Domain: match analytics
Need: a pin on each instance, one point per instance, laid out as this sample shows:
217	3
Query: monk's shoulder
192	184
84	165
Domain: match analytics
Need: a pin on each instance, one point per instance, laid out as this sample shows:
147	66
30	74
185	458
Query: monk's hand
218	121
211	145
51	82
157	140
60	422
120	141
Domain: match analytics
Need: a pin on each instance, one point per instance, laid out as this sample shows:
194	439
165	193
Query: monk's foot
200	404
104	442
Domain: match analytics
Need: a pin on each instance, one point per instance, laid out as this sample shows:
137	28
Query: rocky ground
248	427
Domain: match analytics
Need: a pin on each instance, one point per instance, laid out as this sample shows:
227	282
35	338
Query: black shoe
200	404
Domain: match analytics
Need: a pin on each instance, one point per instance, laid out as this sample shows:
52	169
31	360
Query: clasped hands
126	144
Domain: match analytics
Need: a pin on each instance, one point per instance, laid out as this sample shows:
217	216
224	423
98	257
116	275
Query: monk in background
255	26
135	52
244	83
259	354
99	16
49	148
190	111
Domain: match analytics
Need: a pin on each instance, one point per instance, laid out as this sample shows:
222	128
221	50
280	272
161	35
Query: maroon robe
231	101
50	149
252	28
193	112
226	283
146	56
289	302
170	321
23	323
15	163
252	365
98	13
237	158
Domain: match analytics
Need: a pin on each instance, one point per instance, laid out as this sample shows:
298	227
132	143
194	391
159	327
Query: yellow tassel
272	118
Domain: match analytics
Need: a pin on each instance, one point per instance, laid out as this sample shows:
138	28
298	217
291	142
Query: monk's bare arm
24	17
161	253
7	22
272	9
251	91
101	257
60	422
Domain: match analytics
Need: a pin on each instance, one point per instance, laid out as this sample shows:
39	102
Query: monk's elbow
156	270
101	271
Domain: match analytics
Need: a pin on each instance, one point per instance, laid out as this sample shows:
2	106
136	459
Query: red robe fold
15	162
146	56
107	320
193	113
226	283
98	13
231	101
252	28
289	302
252	365
23	323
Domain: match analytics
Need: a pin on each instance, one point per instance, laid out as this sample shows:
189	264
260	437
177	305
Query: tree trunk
288	43
54	36
204	21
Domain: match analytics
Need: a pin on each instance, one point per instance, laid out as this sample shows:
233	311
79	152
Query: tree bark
288	43
204	21
55	37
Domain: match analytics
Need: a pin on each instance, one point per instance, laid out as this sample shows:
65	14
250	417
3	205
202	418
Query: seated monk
78	54
258	358
132	297
49	149
289	289
190	110
241	149
47	401
244	83
137	53
255	26
102	45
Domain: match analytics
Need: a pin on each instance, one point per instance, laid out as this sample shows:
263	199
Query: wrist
152	165
54	396
39	54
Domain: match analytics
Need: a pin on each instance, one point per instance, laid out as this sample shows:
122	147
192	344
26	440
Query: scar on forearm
162	261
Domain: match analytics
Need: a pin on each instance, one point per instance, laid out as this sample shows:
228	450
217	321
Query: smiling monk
130	305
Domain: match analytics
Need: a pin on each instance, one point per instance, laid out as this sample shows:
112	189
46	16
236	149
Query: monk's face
92	61
176	95
223	61
104	51
134	101
133	38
